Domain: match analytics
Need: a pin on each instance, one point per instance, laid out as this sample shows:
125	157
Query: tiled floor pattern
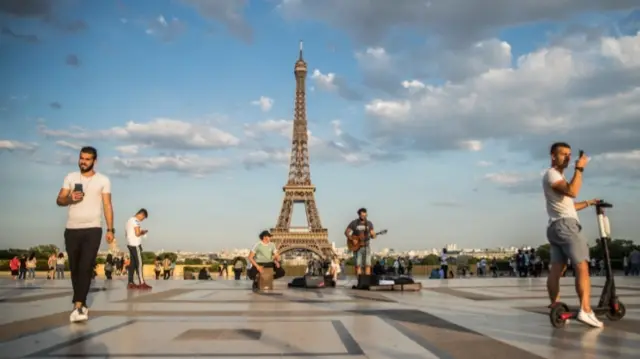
451	319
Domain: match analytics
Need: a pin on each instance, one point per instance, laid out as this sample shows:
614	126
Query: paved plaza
452	319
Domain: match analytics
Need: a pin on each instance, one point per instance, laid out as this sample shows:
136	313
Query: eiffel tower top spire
300	56
299	172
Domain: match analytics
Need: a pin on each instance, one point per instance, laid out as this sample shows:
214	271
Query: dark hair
143	211
32	255
109	258
264	234
556	145
60	255
362	210
90	150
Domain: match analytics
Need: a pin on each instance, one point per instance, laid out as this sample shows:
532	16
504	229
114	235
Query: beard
87	169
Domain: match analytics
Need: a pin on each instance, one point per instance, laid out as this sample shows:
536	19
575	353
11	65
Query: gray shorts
567	241
363	256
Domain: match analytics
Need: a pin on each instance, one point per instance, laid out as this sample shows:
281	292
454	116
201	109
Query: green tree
544	251
193	261
148	257
44	250
430	260
618	248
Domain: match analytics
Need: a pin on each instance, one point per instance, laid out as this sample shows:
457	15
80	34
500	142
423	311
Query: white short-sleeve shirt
88	212
558	205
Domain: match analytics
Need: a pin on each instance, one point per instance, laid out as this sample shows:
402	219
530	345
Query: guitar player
362	227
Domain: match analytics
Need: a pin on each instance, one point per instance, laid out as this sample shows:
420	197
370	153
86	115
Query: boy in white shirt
134	235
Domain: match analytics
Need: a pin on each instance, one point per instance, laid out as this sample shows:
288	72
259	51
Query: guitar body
354	243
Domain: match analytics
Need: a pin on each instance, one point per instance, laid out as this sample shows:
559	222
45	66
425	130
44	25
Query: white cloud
516	182
10	145
261	158
471	145
265	103
160	133
484	164
588	96
67	144
413	85
191	164
128	149
341	148
332	83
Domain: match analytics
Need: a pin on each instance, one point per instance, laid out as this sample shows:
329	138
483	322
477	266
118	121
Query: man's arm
64	196
137	229
584	204
349	231
560	185
252	259
372	231
276	255
106	204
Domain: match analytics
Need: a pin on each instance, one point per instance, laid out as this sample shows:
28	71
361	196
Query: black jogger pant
82	247
135	266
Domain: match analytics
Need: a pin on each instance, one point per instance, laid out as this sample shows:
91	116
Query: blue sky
435	117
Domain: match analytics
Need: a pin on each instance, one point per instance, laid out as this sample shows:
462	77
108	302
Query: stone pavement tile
225	319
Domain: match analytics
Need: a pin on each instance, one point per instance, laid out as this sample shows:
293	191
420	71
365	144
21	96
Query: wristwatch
581	169
111	230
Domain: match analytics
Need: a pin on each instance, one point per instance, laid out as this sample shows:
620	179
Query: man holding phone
87	194
565	231
134	234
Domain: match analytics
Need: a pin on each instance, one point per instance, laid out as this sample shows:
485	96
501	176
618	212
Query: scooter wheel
555	316
613	315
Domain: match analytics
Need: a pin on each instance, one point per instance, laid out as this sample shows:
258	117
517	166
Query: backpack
108	267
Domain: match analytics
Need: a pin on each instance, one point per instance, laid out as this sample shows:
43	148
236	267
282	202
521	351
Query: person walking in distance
565	232
134	235
361	226
87	194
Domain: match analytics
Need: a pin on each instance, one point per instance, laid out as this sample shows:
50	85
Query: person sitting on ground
264	254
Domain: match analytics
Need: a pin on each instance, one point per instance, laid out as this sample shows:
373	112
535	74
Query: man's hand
277	264
259	268
109	237
77	196
582	161
592	202
144	231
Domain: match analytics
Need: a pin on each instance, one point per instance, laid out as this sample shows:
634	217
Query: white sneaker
589	319
79	315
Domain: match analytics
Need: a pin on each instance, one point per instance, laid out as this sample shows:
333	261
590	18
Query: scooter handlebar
603	204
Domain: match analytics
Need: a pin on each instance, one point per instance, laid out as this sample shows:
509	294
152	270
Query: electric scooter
609	305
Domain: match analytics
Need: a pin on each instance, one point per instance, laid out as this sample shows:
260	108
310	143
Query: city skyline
440	130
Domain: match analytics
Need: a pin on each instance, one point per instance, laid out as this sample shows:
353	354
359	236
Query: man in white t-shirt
87	194
134	235
565	232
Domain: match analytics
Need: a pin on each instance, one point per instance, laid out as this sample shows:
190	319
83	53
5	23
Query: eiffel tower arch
299	189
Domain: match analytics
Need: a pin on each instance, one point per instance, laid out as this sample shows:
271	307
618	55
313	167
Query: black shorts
14	272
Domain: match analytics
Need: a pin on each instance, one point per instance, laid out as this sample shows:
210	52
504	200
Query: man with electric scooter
564	232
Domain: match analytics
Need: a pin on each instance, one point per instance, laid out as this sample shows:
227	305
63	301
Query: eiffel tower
299	189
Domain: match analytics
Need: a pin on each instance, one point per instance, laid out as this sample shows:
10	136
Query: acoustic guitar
356	242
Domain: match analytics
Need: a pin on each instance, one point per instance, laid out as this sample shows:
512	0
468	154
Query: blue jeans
363	256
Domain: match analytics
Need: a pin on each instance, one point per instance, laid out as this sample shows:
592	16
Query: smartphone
580	153
77	187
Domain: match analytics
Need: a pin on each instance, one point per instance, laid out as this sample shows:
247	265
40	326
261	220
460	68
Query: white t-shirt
443	259
558	205
88	212
130	232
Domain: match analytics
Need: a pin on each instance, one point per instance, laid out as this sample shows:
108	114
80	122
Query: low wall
294	271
